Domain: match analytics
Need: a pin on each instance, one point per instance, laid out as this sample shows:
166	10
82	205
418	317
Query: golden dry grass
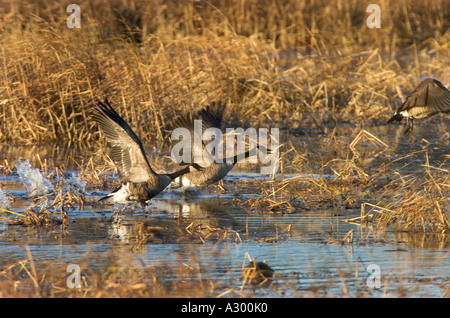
288	64
277	63
362	174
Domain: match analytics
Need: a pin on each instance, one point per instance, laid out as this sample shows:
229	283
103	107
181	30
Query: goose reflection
173	214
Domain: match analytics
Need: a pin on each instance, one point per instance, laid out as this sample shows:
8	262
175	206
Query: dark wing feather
438	97
126	148
430	93
211	117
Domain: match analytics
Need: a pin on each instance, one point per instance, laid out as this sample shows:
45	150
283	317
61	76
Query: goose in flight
428	99
139	183
211	117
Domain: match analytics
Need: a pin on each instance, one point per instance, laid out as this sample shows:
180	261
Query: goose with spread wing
139	182
211	117
428	99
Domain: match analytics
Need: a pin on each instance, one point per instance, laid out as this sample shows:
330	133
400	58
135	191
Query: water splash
4	202
74	185
33	179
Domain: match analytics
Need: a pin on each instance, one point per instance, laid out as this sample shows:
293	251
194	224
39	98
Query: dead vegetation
310	68
274	62
412	203
389	196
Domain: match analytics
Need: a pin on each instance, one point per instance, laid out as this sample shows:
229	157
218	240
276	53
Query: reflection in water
173	215
423	240
40	155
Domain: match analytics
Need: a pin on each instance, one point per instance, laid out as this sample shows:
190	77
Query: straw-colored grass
315	64
362	175
302	65
415	203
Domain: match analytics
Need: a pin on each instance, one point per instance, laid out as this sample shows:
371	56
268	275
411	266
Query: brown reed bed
299	65
414	203
362	176
316	64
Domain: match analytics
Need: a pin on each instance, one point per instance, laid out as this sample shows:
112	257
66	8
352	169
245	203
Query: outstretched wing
430	93
211	117
126	148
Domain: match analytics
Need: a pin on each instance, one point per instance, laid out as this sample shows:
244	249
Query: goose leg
409	125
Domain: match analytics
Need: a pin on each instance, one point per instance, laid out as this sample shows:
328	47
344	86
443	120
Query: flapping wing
211	117
438	97
430	93
126	148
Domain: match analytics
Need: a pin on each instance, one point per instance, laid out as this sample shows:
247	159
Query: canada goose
212	172
428	99
139	182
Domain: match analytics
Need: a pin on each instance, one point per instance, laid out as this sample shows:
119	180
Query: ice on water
33	179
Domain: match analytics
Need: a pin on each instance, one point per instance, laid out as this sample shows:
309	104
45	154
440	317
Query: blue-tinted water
306	255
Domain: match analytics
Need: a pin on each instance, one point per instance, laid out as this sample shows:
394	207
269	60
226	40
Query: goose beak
396	117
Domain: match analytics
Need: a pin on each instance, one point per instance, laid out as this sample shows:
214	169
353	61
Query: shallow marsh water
308	258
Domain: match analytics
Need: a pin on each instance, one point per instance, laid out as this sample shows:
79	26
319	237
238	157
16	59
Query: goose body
428	99
212	172
139	183
210	175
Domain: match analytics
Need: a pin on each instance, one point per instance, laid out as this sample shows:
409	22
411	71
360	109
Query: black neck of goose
178	173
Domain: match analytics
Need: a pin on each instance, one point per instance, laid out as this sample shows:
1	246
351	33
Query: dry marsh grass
298	65
413	203
276	62
362	175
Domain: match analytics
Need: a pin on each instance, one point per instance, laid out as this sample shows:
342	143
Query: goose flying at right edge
428	99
